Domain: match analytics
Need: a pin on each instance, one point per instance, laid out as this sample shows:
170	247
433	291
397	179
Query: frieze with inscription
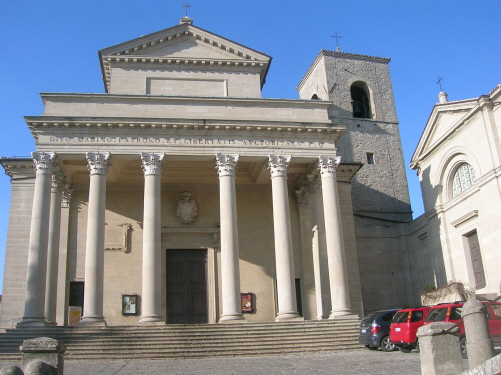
180	141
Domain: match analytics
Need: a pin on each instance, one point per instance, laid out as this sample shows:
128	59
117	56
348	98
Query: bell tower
361	93
360	89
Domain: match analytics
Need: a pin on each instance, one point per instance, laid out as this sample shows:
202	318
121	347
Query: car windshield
400	317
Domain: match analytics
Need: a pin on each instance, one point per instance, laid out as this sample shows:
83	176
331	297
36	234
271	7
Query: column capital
302	196
58	181
44	162
98	163
278	165
313	183
152	164
226	164
67	194
327	165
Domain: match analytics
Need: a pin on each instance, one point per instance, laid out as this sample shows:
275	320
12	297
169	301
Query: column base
289	316
232	318
92	321
342	314
31	322
52	324
152	320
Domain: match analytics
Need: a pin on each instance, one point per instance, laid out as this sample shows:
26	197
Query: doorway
187	286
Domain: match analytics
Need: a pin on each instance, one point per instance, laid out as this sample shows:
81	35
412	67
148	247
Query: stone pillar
286	288
226	166
58	180
34	303
319	252
62	280
42	355
338	278
439	350
151	310
98	164
478	339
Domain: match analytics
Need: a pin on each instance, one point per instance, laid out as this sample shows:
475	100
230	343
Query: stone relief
119	240
186	209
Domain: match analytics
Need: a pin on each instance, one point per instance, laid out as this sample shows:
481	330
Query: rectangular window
370	158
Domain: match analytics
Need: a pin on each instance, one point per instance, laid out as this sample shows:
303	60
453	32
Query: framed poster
247	305
74	315
129	304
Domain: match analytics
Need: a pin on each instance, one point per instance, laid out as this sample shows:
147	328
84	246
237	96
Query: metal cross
186	6
337	41
440	83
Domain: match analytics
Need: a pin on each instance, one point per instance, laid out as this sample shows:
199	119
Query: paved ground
360	362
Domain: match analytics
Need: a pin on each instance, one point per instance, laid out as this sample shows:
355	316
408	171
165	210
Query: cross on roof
337	41
440	83
186	6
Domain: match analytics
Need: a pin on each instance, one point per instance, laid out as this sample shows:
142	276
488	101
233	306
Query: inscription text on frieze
181	141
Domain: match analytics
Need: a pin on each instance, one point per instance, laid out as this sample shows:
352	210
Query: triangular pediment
184	44
445	119
185	40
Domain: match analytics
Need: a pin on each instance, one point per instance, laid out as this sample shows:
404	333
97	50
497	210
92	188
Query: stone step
190	341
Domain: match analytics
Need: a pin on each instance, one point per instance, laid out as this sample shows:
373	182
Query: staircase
190	341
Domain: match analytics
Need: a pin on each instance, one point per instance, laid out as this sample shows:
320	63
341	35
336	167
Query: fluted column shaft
338	278
230	271
34	303
58	180
151	313
94	251
286	288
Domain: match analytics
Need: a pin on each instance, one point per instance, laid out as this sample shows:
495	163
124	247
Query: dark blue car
375	330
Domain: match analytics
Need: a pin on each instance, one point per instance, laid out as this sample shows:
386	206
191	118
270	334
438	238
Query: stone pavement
360	362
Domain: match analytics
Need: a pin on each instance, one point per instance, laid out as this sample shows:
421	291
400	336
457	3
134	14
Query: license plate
363	331
397	329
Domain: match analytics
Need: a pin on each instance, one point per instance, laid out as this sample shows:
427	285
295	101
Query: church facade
457	160
182	196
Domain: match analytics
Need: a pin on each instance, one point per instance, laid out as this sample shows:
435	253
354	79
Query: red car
451	312
404	326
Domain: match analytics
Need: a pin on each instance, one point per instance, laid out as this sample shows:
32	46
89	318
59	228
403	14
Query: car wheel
371	347
462	345
405	349
387	345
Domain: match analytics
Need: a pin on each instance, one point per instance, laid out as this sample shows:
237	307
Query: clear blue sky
51	46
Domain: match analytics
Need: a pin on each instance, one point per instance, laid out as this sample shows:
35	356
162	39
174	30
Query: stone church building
180	195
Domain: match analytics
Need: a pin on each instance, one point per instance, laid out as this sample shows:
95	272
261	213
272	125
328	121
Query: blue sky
51	46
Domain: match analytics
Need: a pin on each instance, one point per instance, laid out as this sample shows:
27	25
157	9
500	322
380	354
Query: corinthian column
151	297
94	251
338	279
286	288
226	166
58	180
34	301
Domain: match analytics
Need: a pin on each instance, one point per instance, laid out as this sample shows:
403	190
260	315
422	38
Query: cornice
355	56
321	104
41	123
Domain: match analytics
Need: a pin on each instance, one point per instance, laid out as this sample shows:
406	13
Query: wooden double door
187	286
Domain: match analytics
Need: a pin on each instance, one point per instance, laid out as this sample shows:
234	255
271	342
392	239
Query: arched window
463	179
360	100
314	97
